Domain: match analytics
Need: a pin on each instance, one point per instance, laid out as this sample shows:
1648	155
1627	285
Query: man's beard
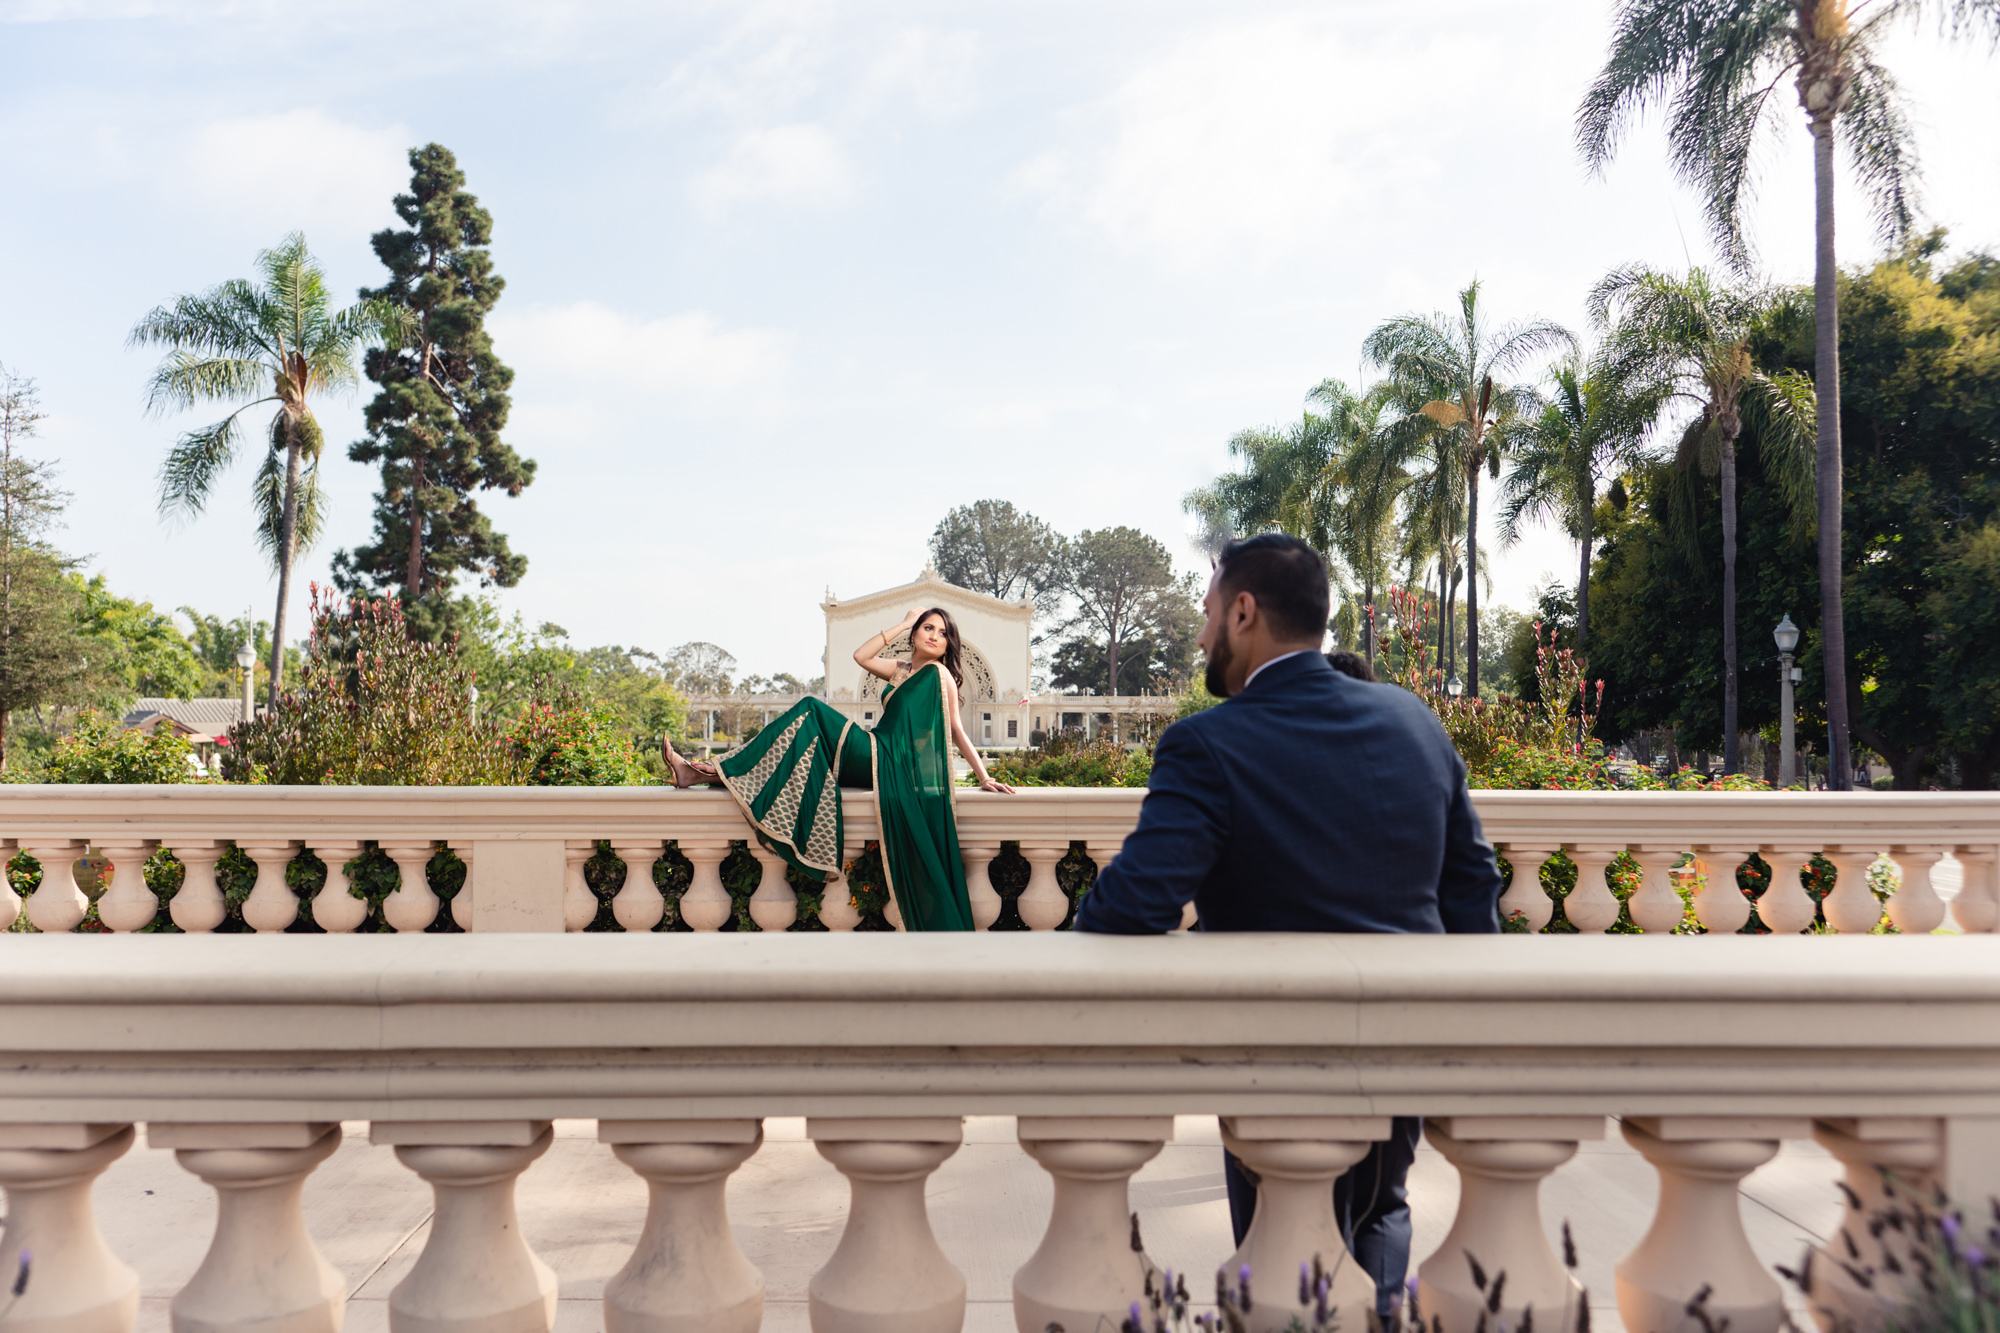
1216	678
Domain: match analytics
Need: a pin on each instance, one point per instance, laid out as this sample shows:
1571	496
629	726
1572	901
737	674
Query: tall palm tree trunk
1826	388
1368	620
1583	573
1731	759
288	540
1472	585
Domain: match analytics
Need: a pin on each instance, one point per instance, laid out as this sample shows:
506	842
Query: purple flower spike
1974	1256
1948	1224
1243	1275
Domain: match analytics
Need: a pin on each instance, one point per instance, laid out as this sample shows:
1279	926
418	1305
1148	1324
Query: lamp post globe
1786	636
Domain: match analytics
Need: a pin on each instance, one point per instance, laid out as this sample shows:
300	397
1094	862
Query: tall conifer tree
434	427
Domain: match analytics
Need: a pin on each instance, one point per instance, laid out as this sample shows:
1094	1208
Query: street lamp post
246	657
1787	636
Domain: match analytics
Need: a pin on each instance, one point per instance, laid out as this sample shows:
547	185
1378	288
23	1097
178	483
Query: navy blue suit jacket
1310	802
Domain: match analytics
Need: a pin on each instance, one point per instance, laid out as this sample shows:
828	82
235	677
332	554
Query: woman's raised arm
866	656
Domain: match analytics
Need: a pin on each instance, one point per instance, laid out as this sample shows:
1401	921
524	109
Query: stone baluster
1102	852
705	905
10	901
1296	1160
1525	893
1085	1274
1785	906
1591	906
271	905
1851	908
774	906
476	1273
128	905
262	1270
1042	904
58	904
639	905
1501	1162
836	900
887	1272
335	908
1977	907
892	911
1892	1165
986	902
1719	903
1697	1238
1915	908
579	903
197	907
1656	908
687	1274
411	906
77	1285
461	902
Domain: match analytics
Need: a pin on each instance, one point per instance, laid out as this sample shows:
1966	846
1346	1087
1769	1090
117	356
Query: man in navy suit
1311	801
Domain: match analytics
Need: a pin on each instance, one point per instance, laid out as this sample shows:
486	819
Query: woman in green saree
788	777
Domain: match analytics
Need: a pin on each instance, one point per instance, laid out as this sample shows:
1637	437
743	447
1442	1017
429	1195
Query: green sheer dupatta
913	800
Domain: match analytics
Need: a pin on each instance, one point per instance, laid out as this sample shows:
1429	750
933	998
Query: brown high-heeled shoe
688	773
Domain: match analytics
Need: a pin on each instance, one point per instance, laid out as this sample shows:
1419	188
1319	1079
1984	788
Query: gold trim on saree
790	797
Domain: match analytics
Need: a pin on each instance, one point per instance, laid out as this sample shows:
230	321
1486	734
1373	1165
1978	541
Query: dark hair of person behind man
1287	578
1350	663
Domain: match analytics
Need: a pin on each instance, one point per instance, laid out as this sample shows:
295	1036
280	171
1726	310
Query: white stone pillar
1501	1162
1719	903
1656	908
639	905
1785	906
579	903
1697	1238
262	1271
1085	1274
1892	1165
1851	908
10	901
476	1274
985	899
836	900
411	906
76	1285
1591	906
1915	908
197	906
462	902
774	907
1976	909
271	905
128	905
705	905
58	904
1042	904
887	1273
687	1274
1296	1160
1525	893
335	908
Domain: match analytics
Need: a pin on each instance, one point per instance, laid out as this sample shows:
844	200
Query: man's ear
1242	612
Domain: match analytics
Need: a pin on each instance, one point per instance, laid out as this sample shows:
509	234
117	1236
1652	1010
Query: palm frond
185	379
268	497
1881	147
1784	411
192	465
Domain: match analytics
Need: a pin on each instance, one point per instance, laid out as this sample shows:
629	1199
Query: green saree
788	780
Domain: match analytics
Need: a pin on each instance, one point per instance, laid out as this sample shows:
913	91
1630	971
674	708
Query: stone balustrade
245	1054
525	850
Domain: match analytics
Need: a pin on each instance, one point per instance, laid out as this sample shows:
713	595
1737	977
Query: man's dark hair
1287	578
1350	663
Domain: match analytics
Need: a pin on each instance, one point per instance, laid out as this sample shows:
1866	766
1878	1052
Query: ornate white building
997	702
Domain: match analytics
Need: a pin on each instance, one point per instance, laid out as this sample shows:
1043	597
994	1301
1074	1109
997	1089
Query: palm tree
1591	426
280	343
1716	64
1350	509
1452	368
1690	338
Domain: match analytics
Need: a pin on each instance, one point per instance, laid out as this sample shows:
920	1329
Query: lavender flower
21	1278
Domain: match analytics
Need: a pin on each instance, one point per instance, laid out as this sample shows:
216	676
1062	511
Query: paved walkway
581	1211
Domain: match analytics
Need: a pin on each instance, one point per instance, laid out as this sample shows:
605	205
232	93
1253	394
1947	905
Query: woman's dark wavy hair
952	643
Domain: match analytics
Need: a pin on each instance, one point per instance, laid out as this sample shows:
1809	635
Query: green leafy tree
1689	340
1124	587
1715	65
97	749
1451	369
434	427
39	655
134	650
991	547
279	342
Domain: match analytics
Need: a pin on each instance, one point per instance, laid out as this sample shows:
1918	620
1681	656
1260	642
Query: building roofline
929	582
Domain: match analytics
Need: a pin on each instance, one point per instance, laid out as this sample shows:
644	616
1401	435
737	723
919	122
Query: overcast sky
787	281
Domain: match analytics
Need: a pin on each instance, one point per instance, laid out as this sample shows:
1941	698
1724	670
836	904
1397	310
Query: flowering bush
1068	760
97	749
572	742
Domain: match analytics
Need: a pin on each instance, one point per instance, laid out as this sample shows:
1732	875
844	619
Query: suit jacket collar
1281	675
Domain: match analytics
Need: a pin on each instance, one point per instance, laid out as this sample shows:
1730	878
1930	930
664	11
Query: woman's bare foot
687	772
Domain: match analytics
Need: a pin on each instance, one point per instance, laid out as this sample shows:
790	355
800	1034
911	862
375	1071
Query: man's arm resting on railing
1178	841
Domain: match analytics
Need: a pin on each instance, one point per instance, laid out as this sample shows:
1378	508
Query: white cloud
298	168
800	166
936	71
590	346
